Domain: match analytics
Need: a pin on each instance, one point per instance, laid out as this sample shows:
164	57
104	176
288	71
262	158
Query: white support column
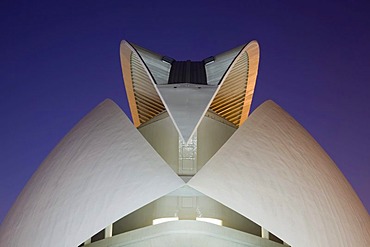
88	241
108	231
264	233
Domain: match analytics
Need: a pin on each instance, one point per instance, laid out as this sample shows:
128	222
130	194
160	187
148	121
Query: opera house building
193	168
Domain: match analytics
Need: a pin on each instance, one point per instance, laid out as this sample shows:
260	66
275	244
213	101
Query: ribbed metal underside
147	100
187	72
229	100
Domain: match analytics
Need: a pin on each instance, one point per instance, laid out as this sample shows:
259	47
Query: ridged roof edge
145	101
158	69
228	96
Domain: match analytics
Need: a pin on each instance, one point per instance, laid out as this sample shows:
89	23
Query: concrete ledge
185	233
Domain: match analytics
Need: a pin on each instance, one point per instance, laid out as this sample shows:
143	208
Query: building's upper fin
234	98
142	95
158	68
217	68
223	84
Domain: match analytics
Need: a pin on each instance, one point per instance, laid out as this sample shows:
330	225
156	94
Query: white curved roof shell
273	172
101	171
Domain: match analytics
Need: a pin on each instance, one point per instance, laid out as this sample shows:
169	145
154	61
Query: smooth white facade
101	171
274	173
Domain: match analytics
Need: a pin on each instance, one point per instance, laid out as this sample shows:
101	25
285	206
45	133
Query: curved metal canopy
151	86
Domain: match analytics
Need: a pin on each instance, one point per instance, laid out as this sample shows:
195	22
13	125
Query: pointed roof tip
254	41
241	47
110	102
254	44
104	140
123	42
266	106
270	104
255	165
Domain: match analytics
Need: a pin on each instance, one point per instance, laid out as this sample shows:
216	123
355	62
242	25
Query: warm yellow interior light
210	220
162	220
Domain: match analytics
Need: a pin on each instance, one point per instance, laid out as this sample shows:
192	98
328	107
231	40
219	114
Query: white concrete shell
101	171
274	173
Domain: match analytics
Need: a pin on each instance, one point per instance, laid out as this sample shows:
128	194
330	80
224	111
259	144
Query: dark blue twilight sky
59	60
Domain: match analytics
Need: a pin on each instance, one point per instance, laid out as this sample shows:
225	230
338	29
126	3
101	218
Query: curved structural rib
216	70
234	97
143	98
274	173
159	70
101	171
